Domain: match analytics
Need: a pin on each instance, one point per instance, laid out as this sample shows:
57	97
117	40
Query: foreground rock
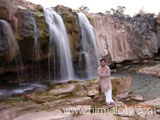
119	38
52	115
137	97
153	70
12	108
63	90
82	91
62	102
68	101
121	86
155	103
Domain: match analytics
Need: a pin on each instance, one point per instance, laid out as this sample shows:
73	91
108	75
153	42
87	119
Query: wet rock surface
119	38
152	70
63	104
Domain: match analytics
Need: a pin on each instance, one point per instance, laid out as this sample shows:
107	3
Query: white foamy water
14	52
89	47
59	48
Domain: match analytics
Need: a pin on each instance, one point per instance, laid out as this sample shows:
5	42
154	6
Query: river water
146	85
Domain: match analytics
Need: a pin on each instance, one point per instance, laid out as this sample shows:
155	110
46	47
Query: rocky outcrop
23	18
20	15
152	70
53	104
121	86
121	38
152	103
52	115
80	92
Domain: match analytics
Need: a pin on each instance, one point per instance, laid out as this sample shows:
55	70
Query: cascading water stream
13	47
59	48
88	46
36	52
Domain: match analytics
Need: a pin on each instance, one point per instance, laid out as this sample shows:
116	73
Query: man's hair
103	60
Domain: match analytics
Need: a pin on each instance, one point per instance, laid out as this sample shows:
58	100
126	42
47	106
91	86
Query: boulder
80	93
152	70
155	103
121	86
81	86
137	97
64	89
92	93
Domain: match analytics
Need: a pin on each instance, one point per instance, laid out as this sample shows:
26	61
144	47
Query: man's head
103	62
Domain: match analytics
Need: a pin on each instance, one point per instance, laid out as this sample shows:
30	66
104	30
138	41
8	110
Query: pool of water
146	85
10	90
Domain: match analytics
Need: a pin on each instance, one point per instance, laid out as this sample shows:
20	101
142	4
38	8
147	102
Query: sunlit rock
152	70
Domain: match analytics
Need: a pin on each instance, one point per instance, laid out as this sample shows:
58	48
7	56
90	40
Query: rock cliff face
19	14
118	38
121	38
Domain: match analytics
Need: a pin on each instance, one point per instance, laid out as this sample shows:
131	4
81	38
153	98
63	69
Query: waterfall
59	48
13	47
89	53
36	52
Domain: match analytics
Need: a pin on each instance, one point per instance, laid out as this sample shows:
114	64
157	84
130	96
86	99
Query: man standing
105	82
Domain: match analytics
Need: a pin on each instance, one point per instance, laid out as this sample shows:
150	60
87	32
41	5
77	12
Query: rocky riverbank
61	101
119	39
152	70
124	41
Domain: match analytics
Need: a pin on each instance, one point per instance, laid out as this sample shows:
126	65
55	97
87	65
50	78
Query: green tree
83	9
120	11
108	12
